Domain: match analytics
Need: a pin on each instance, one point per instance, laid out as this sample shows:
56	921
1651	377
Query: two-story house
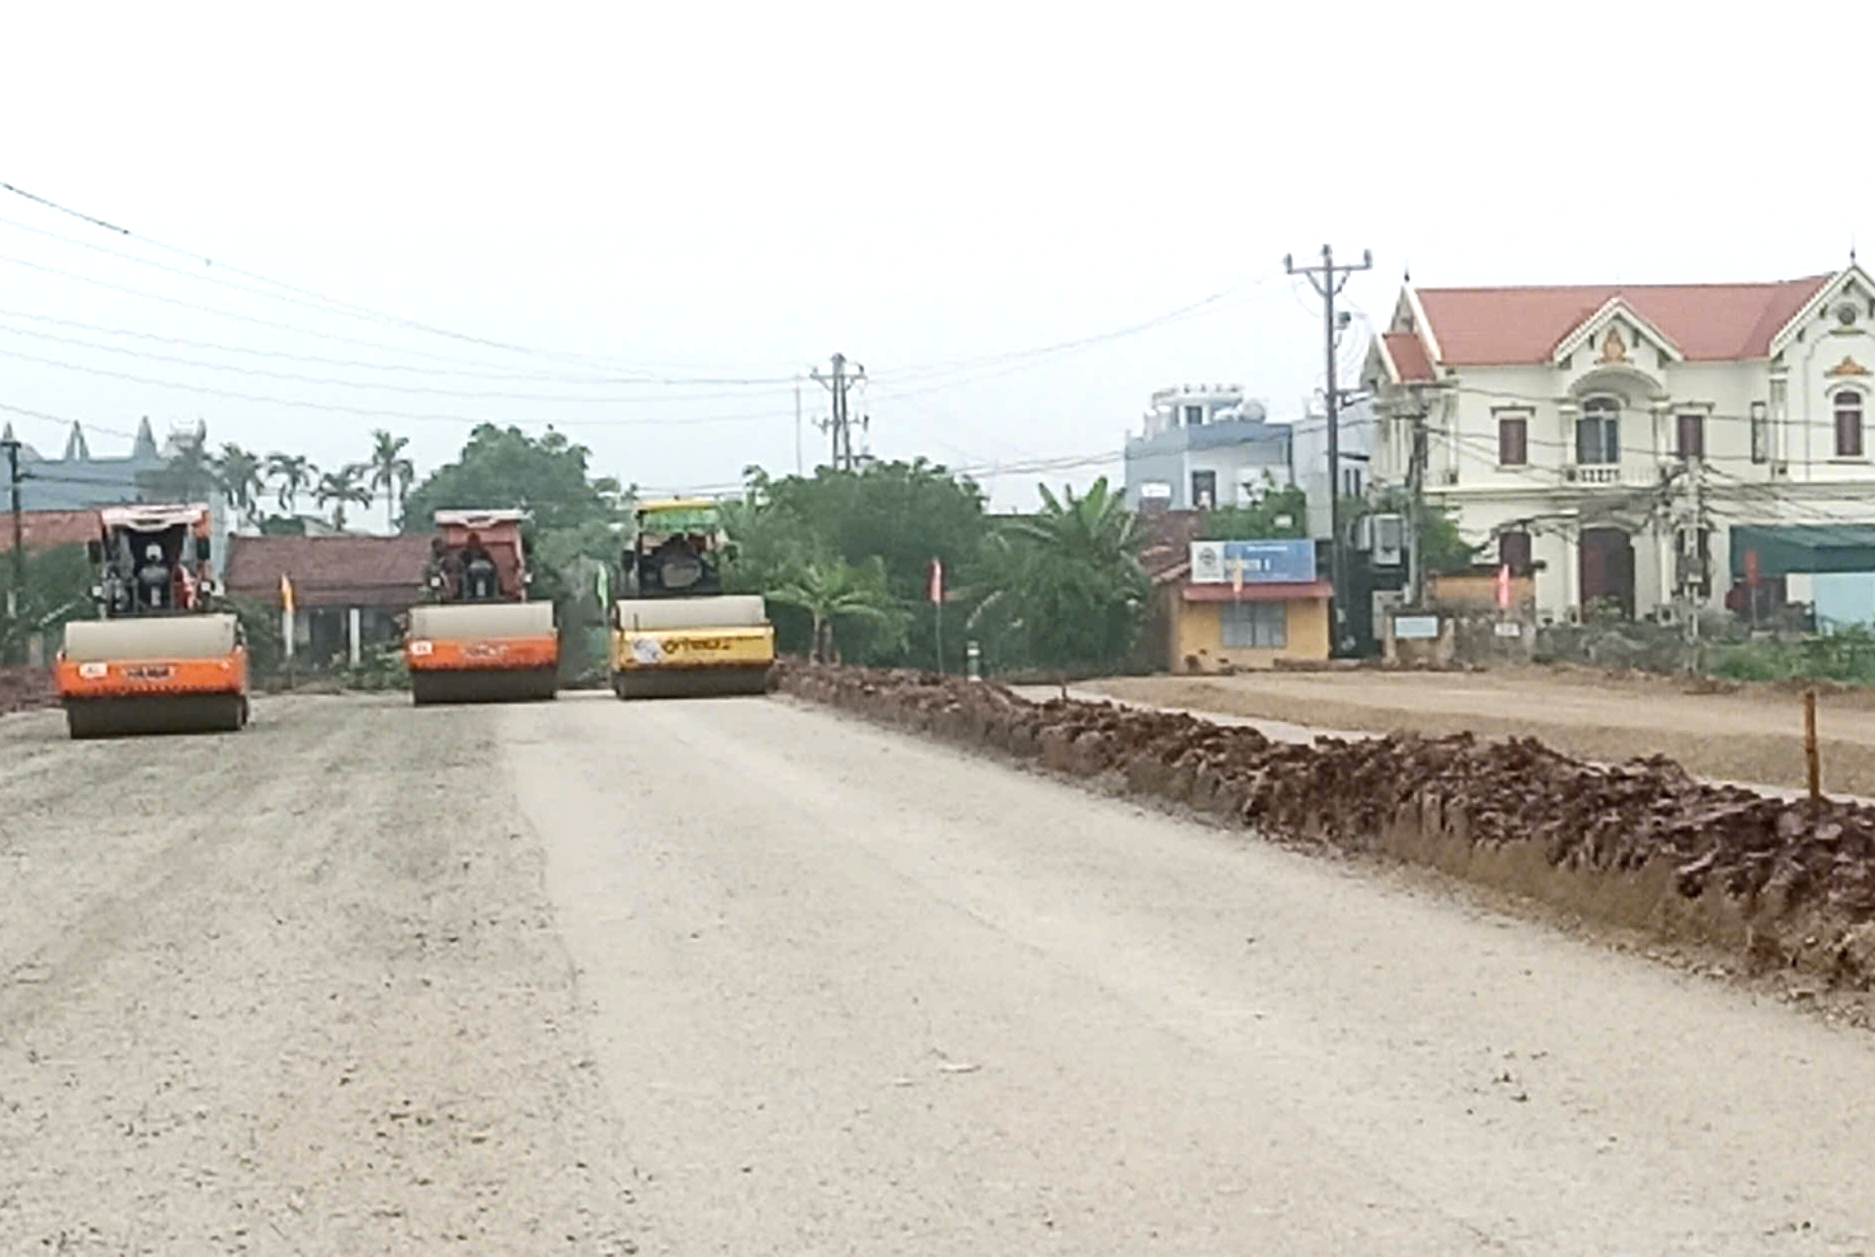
1613	437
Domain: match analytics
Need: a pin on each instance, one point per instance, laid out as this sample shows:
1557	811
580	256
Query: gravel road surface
743	976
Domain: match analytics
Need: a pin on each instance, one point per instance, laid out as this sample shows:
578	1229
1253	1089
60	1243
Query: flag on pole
286	594
937	580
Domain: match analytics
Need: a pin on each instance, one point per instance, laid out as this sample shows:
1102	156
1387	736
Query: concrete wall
1198	632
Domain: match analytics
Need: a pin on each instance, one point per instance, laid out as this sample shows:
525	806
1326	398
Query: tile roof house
343	571
44	530
348	591
1608	436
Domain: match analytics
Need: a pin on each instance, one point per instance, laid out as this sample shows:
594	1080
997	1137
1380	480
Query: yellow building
1216	627
1245	605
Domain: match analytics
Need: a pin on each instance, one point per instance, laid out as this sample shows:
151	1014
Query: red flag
1503	587
937	580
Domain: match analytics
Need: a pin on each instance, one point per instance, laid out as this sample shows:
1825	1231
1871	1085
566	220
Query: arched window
1848	424
1598	432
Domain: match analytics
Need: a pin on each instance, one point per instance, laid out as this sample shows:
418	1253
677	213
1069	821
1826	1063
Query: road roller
162	656
678	635
477	638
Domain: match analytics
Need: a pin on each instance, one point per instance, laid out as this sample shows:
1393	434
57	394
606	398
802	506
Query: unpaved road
742	977
1747	733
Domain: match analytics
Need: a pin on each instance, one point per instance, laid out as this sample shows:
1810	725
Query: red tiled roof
330	571
1706	322
42	530
1408	355
1273	591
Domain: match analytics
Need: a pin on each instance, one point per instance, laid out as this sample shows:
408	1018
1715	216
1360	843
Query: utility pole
840	422
18	591
798	468
1416	508
1692	560
1328	279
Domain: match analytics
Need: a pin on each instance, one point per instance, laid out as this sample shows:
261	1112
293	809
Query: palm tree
293	472
836	591
240	473
1068	584
340	488
390	471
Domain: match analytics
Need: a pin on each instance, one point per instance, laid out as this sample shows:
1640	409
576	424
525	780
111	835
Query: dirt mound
1638	844
23	689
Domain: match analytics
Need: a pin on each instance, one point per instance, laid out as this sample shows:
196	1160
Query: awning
1786	548
1271	591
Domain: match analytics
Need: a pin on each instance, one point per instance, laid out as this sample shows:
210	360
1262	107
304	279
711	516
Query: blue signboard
1263	562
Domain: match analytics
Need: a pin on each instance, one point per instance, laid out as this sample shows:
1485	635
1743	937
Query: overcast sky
685	192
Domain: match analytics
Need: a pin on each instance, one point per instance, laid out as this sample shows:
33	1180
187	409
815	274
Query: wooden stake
1811	764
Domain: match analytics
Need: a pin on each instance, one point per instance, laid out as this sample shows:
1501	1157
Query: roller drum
165	637
727	611
468	621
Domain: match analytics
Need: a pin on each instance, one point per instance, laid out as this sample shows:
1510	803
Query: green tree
1278	511
342	488
56	588
1065	586
547	476
839	593
391	472
241	475
292	474
904	514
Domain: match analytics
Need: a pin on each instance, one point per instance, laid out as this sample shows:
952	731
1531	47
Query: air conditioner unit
1389	538
1361	535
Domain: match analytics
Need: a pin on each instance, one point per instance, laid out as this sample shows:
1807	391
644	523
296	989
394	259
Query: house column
1572	570
352	636
1568	411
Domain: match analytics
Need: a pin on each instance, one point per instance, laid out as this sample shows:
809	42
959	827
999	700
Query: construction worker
153	579
442	575
478	569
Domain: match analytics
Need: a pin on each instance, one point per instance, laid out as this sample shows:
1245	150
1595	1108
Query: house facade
1204	446
1608	440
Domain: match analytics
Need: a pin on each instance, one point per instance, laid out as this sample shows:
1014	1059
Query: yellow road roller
161	657
678	635
478	638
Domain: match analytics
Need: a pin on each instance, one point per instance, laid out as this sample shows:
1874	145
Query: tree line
249	478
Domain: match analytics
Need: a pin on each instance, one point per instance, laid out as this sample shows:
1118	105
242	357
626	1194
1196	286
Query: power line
335	382
380	412
294	294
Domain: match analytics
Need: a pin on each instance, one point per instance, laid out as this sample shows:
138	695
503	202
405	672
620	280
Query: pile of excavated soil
1736	733
23	689
1639	844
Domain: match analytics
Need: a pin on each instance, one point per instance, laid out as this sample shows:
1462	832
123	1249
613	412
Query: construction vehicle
678	634
478	638
161	657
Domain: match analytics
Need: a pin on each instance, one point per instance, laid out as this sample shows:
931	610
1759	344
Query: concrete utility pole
840	422
18	591
1416	509
1692	559
1328	280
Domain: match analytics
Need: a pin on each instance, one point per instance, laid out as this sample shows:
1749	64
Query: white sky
740	190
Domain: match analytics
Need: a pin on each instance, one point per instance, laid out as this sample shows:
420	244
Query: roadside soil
1748	733
295	990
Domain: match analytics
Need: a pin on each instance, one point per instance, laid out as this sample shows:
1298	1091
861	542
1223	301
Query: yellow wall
1198	629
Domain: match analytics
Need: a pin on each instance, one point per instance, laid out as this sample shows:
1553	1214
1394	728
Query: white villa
1620	439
